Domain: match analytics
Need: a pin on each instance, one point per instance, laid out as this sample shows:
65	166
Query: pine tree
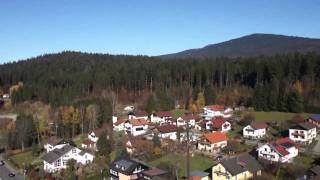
150	104
103	145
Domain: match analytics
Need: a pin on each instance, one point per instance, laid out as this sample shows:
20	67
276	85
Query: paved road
4	171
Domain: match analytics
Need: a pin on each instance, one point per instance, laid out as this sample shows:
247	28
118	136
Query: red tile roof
215	137
259	125
217	122
163	114
119	121
88	142
139	122
139	113
216	107
99	131
191	117
167	128
282	150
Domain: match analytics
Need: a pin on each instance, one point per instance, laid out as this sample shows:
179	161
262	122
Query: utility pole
188	155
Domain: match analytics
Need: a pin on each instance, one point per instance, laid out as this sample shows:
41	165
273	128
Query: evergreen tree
103	145
295	103
150	104
209	95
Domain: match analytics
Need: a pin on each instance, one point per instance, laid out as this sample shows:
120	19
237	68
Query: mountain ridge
251	45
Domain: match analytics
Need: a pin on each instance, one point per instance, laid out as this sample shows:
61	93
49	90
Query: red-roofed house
136	127
166	131
160	117
118	124
88	144
211	111
218	124
192	119
283	150
213	142
255	130
138	115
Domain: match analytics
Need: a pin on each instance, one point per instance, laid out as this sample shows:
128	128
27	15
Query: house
213	142
282	150
218	124
168	131
303	133
54	142
57	159
88	144
199	175
126	169
191	119
118	124
138	115
201	125
238	168
154	174
160	117
96	133
255	130
216	111
136	127
315	119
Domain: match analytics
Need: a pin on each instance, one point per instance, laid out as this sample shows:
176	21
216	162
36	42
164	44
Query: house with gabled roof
118	124
315	119
57	159
240	168
282	150
54	142
216	110
212	142
160	117
255	130
201	125
303	133
218	124
138	115
136	127
167	131
191	119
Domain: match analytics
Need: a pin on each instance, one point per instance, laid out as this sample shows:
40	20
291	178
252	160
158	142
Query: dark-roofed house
138	115
282	150
168	131
199	175
126	169
241	168
57	159
315	119
54	142
303	133
160	117
255	130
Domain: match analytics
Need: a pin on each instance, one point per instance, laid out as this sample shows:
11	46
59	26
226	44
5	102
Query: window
139	129
74	150
57	163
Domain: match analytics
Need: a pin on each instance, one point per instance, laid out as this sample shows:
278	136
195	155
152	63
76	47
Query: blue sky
149	27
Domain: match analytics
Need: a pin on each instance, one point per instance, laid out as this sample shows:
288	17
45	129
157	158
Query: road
4	171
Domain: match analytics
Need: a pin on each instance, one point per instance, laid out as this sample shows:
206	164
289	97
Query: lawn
303	159
236	131
197	162
178	112
23	158
274	116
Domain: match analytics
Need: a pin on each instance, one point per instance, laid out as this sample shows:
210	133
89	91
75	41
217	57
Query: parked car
1	163
11	175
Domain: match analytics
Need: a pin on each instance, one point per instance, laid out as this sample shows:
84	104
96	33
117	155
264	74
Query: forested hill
252	45
283	82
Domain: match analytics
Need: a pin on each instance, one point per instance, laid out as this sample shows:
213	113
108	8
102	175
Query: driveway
4	171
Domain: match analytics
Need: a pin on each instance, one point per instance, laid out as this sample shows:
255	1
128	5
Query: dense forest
281	82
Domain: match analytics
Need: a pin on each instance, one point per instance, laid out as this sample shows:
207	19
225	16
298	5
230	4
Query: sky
144	27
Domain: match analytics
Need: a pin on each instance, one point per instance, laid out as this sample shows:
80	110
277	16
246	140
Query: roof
138	122
88	142
216	107
167	128
55	154
315	117
199	173
304	126
259	125
315	169
54	140
163	114
202	124
215	137
119	121
139	113
191	117
281	145
99	131
241	164
217	122
125	165
154	172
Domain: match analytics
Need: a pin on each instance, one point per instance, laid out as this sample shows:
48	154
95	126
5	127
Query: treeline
282	82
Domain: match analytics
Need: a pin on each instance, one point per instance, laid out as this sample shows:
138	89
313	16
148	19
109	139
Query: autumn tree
200	101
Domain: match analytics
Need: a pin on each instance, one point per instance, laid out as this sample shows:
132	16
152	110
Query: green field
178	112
196	162
24	158
274	116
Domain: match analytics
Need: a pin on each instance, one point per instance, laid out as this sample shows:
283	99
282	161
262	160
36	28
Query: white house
166	131
160	117
201	125
118	124
283	150
138	115
213	142
136	127
191	119
54	142
93	137
88	144
255	130
216	111
218	124
57	159
303	133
